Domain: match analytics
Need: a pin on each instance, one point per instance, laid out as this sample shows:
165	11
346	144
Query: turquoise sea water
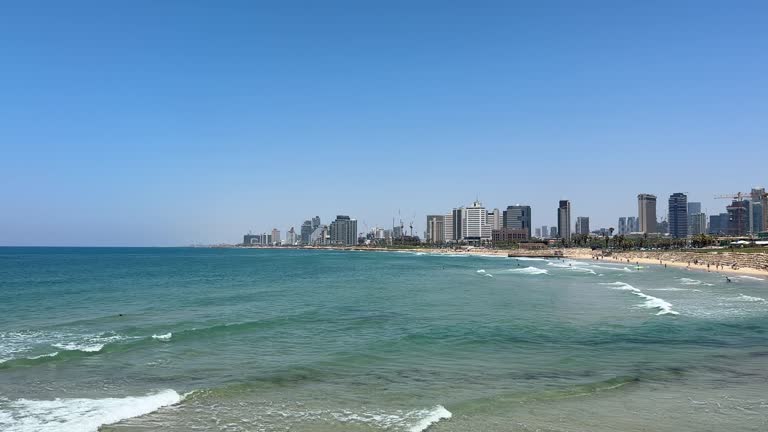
292	340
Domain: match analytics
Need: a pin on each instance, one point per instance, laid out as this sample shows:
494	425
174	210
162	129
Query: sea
197	339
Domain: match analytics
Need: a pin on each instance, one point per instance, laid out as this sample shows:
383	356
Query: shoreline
670	258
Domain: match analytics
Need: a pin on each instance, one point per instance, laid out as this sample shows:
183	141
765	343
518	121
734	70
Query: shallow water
268	340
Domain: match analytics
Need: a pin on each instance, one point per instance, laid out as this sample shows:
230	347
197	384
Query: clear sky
173	122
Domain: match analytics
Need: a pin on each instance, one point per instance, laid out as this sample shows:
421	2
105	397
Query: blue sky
168	123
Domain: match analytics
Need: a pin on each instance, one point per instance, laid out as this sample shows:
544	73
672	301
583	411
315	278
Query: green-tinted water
268	340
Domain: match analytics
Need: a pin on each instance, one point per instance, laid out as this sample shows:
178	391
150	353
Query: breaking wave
79	414
744	297
651	302
163	337
529	271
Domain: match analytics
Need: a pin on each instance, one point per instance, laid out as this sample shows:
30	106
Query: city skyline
122	130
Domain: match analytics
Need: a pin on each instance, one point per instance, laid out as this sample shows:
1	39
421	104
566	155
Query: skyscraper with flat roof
646	213
678	215
344	231
564	220
622	226
518	217
582	225
435	229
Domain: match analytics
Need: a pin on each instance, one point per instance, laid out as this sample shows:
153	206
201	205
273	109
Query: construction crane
739	196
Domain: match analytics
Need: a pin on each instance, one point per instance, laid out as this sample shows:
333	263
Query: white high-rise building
475	224
448	228
495	220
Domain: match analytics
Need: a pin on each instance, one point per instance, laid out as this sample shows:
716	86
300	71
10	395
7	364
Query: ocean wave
74	346
529	271
573	266
163	337
481	271
430	417
744	297
689	281
651	302
750	278
673	289
530	259
80	414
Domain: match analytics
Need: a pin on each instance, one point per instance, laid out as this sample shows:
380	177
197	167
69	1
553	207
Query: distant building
718	224
343	231
509	235
315	222
564	220
678	215
632	225
275	236
290	237
646	213
538	232
435	229
518	217
475	224
552	232
544	231
582	225
448	228
306	232
756	224
738	218
622	226
697	224
694	207
320	236
759	195
494	219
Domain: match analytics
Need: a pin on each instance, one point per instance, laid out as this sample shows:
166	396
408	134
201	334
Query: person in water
727	279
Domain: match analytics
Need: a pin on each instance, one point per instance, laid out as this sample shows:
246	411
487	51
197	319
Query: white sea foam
664	307
53	354
750	277
488	274
744	297
481	271
689	281
80	415
163	337
651	302
431	417
530	259
73	346
529	271
673	289
573	266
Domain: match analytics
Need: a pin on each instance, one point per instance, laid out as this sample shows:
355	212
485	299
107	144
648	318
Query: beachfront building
632	225
306	232
544	231
343	231
435	229
448	228
320	236
756	220
518	217
759	195
622	226
458	223
738	218
678	215
475	226
275	236
697	224
552	232
646	213
538	232
564	220
582	225
290	237
494	219
509	235
315	223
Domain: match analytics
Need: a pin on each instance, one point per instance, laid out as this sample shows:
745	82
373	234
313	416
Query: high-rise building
315	222
518	217
290	237
494	219
646	213
275	236
694	207
622	226
697	224
319	236
756	209
475	224
564	220
552	232
632	225
738	218
306	232
678	215
458	223
344	231
582	225
448	228
759	195
435	229
538	233
544	231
